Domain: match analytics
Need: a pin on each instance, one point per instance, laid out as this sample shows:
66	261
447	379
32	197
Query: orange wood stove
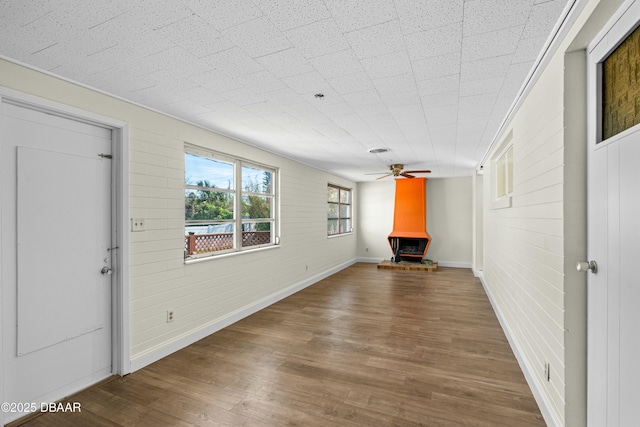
409	239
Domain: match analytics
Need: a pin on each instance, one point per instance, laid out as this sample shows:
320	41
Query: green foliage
217	205
208	205
263	226
257	206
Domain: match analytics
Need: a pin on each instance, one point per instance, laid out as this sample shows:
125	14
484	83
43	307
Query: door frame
619	26
120	348
478	223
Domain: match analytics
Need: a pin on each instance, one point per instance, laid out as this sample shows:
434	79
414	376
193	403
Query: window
620	95
223	195
502	174
338	210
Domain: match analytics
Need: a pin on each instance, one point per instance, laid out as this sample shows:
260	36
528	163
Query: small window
223	195
620	95
339	210
502	174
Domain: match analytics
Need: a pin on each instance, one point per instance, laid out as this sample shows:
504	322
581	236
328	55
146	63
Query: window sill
228	254
502	203
340	235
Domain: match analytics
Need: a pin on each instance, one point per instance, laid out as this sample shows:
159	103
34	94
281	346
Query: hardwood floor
365	347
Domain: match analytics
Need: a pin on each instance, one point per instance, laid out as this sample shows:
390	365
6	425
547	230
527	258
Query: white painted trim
477	273
541	398
158	352
505	200
59	109
613	22
370	260
217	256
122	345
2	416
120	309
454	264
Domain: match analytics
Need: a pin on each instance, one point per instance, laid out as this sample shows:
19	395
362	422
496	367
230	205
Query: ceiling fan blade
376	173
384	176
406	175
419	171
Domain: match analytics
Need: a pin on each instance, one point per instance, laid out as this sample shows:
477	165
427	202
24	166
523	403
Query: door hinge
105	156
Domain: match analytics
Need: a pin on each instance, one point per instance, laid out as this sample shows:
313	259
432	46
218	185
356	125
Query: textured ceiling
430	80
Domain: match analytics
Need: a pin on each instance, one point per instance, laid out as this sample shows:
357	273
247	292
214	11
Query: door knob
106	271
587	266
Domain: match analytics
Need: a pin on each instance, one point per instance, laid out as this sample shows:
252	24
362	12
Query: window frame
238	192
603	67
339	204
502	174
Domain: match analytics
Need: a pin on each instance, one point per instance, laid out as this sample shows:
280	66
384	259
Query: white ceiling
431	80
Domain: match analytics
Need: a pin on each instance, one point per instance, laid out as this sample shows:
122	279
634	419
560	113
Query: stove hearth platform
407	265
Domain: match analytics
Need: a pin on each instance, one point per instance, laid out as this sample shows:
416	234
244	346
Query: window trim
601	84
350	217
505	149
238	193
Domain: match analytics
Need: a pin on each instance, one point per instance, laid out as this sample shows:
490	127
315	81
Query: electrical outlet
547	371
170	316
306	268
137	224
366	249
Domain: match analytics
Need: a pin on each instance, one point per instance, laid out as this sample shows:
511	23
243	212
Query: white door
614	243
614	290
56	235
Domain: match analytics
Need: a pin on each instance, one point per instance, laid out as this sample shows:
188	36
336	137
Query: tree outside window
223	195
338	210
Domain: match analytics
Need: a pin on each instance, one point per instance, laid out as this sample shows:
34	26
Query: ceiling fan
398	170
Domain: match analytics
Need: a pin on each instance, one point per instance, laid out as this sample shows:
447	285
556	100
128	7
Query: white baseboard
454	264
477	273
536	388
158	352
370	260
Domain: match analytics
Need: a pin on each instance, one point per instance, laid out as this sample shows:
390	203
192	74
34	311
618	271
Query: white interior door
614	243
56	235
614	290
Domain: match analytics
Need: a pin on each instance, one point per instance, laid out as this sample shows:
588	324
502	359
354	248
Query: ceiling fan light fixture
378	150
397	169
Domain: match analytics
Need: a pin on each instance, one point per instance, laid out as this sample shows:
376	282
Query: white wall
523	244
449	219
530	248
203	295
375	218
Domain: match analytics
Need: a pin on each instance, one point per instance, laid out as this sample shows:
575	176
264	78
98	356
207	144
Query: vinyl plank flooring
364	347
